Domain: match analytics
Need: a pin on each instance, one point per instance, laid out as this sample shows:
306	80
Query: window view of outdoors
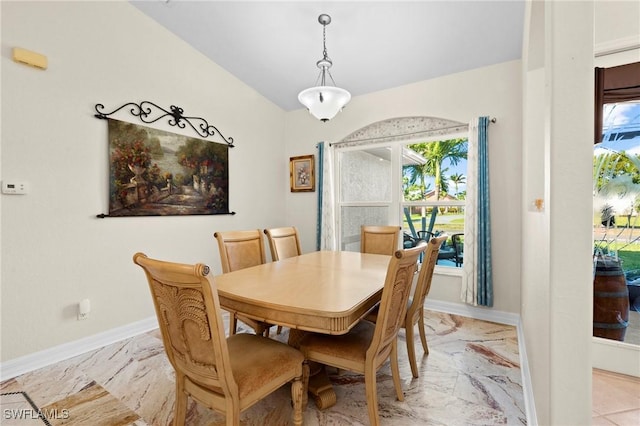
434	192
616	190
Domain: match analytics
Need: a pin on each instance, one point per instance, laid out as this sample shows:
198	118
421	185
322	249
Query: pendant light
323	101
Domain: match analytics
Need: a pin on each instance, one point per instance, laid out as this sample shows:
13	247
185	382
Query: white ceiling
273	46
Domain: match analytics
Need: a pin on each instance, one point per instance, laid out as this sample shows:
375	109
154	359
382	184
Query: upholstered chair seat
350	348
259	364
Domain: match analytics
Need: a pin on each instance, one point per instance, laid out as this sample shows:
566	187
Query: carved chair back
188	313
393	304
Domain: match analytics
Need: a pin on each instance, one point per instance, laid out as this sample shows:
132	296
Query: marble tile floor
471	377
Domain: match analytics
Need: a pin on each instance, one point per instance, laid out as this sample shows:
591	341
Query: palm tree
444	181
411	191
436	152
457	179
416	174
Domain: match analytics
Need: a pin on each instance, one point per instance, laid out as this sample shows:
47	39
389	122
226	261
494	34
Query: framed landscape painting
301	173
158	173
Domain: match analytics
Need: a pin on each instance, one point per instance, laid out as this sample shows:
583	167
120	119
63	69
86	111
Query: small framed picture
301	173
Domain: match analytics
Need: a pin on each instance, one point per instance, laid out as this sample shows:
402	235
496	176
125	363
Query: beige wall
493	91
54	251
616	21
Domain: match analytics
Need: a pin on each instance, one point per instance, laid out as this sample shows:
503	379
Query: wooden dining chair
283	242
239	250
367	345
379	239
227	375
415	304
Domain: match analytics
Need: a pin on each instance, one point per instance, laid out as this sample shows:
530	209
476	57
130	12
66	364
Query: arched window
388	173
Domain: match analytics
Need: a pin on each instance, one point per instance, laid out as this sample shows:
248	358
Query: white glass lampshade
324	102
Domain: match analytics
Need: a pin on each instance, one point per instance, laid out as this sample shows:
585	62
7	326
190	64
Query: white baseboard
480	313
31	362
619	357
527	387
500	317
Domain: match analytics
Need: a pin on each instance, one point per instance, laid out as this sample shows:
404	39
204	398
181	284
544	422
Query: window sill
448	270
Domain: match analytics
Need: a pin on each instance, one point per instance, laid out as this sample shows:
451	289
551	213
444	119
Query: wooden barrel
610	300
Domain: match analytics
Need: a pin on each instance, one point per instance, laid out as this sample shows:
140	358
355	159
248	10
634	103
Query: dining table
321	292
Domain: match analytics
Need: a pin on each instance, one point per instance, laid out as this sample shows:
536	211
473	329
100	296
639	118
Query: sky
621	114
616	117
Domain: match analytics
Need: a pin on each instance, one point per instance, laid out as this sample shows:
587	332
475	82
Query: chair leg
395	371
180	412
306	372
279	330
233	415
423	335
233	323
297	389
372	394
411	350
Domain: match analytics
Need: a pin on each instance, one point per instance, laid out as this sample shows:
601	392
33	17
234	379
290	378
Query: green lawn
452	226
629	254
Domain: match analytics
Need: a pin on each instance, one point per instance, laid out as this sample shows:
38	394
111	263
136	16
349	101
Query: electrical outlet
82	316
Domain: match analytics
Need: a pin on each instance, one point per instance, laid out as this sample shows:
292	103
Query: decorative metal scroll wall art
158	173
148	112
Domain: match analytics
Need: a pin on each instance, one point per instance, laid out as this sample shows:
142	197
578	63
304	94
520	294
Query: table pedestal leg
319	384
321	388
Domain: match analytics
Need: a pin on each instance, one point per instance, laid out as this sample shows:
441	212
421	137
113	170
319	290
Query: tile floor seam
629	410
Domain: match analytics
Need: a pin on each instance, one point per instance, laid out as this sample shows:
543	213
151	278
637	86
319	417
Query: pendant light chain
325	57
324	42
